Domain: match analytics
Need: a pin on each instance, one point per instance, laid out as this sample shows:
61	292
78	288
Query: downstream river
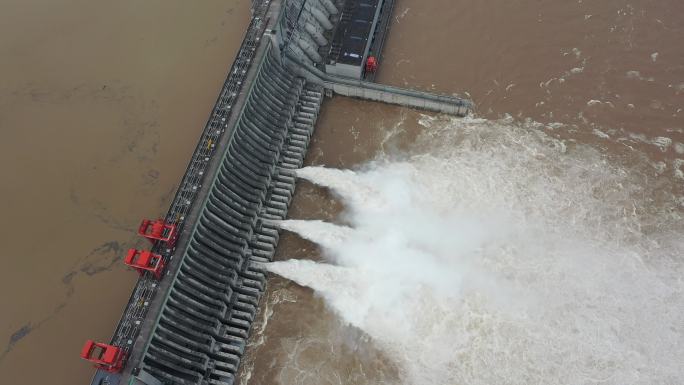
556	212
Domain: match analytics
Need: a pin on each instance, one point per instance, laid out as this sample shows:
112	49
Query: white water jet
344	182
362	191
328	235
496	255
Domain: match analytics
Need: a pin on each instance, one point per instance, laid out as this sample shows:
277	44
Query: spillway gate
192	326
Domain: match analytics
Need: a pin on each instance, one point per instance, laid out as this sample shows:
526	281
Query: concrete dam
189	316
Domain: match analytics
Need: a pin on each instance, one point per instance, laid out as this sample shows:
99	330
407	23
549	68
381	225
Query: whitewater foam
326	234
498	255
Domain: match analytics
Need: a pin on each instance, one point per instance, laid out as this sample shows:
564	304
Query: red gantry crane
105	357
158	231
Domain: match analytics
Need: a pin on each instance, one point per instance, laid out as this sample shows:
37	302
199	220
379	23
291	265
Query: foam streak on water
495	255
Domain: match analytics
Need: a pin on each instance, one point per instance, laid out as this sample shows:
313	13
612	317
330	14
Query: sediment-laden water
101	105
500	255
539	242
536	242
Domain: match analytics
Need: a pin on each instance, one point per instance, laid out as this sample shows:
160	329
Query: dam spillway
189	316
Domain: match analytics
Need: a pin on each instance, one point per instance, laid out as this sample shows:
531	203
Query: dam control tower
190	314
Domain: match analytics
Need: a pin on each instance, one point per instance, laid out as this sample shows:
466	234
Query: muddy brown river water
607	74
101	104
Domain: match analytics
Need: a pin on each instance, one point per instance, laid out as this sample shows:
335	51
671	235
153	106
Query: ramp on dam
192	325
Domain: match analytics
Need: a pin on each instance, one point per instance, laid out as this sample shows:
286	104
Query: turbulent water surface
502	256
538	242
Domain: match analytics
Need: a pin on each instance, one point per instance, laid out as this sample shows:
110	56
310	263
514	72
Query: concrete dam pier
190	314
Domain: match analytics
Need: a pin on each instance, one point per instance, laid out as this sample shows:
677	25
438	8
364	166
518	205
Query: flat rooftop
354	31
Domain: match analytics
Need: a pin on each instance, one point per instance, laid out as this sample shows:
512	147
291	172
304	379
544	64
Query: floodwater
582	133
101	105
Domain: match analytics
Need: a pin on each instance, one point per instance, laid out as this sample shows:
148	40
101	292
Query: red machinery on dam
190	314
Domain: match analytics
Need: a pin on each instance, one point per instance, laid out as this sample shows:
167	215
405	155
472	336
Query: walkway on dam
398	96
423	100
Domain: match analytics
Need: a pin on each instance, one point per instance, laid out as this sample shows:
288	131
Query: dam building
350	48
190	314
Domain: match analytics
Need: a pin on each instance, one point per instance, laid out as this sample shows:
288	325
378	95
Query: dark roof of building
354	30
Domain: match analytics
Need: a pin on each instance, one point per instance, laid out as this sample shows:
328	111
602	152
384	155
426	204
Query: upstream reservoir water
101	106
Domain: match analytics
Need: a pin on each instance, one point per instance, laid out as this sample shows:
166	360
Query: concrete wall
347	70
401	97
202	328
380	93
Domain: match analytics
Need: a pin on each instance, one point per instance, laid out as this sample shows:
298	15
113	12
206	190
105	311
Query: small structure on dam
349	51
190	314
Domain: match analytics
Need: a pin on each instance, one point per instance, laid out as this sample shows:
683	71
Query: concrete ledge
451	105
399	96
